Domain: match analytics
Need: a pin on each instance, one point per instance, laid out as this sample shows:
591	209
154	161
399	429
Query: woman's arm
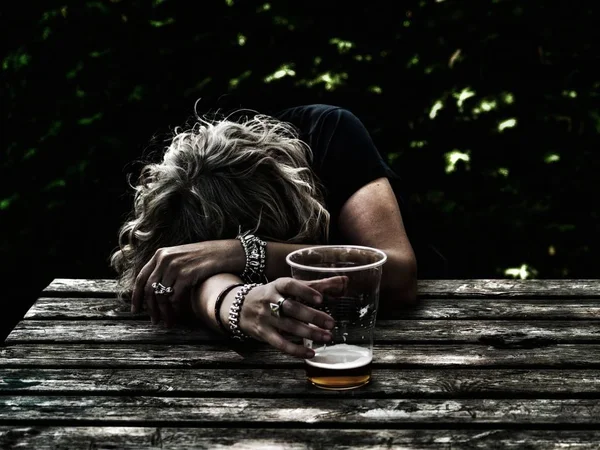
370	217
255	317
203	299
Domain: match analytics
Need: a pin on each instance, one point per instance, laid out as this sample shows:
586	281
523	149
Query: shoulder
318	115
314	110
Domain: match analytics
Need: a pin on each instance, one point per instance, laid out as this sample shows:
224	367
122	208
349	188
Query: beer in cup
345	361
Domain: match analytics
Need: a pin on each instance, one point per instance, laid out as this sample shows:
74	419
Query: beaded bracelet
234	312
242	240
256	257
218	304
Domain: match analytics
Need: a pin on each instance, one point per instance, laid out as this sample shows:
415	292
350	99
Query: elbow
399	283
408	284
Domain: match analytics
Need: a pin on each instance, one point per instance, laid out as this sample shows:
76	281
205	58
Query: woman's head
219	178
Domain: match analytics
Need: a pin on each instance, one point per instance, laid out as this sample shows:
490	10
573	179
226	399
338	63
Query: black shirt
344	155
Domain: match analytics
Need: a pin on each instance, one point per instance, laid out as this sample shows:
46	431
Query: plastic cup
345	361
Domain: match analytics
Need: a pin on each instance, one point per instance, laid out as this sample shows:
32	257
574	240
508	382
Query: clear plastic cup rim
337	269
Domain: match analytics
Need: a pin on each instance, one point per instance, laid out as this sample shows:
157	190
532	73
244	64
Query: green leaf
90	120
73	73
54	184
5	203
162	23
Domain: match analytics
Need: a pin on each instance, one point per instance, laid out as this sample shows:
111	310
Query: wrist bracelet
218	304
244	274
256	257
234	312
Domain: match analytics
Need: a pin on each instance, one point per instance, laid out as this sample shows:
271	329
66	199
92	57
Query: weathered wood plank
510	288
42	438
427	288
202	355
499	333
241	382
80	287
94	308
69	308
165	411
108	331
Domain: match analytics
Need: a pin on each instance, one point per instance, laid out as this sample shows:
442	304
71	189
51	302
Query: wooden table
483	363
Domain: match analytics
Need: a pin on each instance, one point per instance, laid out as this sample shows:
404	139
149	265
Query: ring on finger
161	289
277	308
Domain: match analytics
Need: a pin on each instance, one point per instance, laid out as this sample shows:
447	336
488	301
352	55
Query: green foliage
488	111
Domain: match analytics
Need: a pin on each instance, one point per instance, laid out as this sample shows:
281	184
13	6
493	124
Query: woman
215	219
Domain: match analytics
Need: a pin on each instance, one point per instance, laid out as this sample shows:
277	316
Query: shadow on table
21	291
398	312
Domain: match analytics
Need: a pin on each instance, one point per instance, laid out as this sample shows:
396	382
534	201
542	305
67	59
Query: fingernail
326	337
317	298
309	354
329	324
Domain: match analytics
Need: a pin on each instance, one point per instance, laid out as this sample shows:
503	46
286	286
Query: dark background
489	110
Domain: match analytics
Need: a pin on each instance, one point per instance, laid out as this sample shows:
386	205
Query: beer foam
340	356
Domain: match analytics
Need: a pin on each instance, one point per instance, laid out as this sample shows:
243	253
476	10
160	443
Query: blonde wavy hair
217	179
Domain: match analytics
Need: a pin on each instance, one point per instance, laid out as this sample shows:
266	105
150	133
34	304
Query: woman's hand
257	320
182	268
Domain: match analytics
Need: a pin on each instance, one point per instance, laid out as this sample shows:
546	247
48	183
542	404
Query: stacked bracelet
256	258
218	304
234	312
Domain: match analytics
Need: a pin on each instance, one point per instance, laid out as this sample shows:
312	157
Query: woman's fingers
302	313
298	289
164	302
335	286
160	304
181	291
272	337
299	329
139	288
151	300
165	309
311	292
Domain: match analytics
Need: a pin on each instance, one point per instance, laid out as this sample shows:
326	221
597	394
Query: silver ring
277	308
161	289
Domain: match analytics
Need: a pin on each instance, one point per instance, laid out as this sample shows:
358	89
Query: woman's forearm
273	312
398	281
276	266
398	278
205	296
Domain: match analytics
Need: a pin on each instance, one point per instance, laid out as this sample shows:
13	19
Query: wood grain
499	333
43	438
551	308
221	356
426	288
308	412
243	382
478	364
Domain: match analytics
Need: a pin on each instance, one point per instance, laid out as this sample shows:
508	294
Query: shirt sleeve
345	157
